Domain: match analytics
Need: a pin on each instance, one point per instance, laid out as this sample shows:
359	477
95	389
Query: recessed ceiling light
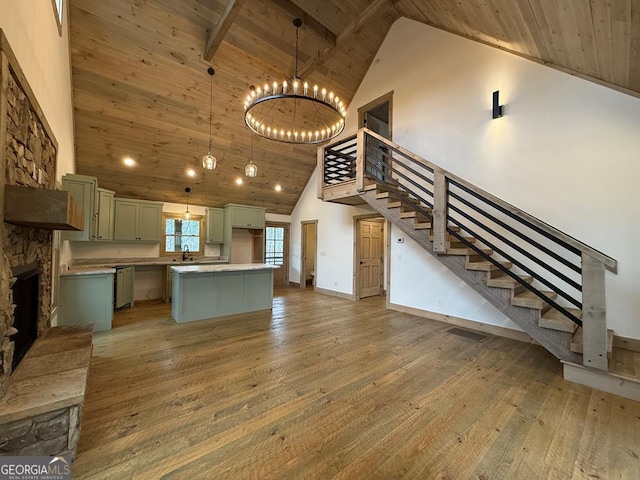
278	188
191	172
129	162
239	181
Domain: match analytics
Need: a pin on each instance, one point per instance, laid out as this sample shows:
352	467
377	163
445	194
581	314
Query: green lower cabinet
86	299
124	286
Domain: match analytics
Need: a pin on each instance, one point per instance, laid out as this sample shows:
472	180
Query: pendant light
209	161
187	214
250	169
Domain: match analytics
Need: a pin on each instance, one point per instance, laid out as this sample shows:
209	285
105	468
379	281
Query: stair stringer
556	342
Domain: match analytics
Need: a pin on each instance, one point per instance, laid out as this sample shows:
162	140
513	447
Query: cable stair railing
550	284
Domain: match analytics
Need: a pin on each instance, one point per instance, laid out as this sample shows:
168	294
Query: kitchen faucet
185	252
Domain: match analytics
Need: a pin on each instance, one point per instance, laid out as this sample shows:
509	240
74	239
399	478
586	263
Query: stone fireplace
43	370
29	159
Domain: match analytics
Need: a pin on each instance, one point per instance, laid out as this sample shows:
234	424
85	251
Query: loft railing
556	261
339	161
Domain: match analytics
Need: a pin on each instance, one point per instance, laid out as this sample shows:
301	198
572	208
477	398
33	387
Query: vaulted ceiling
141	87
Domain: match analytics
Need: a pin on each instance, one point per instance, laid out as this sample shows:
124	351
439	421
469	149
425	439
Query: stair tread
577	341
555	320
411	214
530	295
467	251
383	195
485	265
505	281
421	226
528	299
554	314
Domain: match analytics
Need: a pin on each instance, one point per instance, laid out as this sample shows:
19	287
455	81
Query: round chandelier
294	111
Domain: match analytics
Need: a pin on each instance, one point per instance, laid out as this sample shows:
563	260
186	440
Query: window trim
284	241
58	13
179	216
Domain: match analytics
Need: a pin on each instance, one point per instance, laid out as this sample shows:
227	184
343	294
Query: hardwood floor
323	388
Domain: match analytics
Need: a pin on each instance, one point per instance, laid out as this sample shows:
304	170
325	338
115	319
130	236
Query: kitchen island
209	291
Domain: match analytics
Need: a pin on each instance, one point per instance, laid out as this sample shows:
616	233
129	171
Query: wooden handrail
344	140
608	261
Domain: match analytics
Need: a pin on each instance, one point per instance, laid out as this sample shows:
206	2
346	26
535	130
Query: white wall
334	268
567	151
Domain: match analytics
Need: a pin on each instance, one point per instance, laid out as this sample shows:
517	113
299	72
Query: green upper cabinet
215	225
256	217
243	216
105	214
137	220
150	222
83	189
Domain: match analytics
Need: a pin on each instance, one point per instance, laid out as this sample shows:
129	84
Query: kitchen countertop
233	267
87	271
144	261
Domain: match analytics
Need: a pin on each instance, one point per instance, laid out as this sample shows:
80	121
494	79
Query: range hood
42	208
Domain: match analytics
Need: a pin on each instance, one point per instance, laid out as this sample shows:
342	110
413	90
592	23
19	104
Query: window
274	246
180	233
57	10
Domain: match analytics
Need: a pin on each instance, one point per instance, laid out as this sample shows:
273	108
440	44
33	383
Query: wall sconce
497	108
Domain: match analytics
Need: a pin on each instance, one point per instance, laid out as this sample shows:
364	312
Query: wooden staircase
531	272
525	309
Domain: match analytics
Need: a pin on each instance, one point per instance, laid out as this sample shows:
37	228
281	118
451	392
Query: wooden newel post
594	314
360	156
440	211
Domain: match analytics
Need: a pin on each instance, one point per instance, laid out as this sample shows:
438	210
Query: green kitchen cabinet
105	214
86	298
244	216
83	189
215	225
137	220
124	286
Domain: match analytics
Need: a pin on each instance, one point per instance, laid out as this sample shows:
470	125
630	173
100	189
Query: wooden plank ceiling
141	88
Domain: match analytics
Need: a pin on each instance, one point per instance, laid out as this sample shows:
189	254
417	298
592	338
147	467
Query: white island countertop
233	267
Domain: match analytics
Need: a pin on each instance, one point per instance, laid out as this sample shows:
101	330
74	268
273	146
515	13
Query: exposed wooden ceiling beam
225	21
322	56
322	32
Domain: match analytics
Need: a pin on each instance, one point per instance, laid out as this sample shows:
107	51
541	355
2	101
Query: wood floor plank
326	388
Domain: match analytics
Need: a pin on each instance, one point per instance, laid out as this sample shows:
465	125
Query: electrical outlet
399	258
335	284
440	302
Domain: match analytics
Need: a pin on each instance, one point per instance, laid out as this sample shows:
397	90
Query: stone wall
47	434
29	160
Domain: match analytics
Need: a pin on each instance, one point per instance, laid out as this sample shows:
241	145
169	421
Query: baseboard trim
333	293
463	322
626	343
605	381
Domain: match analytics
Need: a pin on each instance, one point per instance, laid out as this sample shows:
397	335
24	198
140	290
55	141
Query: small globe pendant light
209	161
187	214
250	169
